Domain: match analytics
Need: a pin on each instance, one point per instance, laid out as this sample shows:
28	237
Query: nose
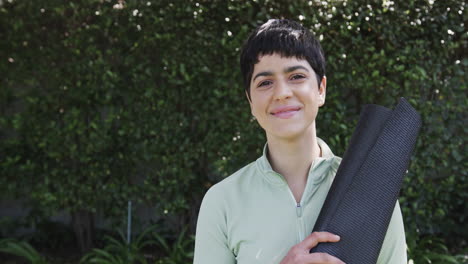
282	91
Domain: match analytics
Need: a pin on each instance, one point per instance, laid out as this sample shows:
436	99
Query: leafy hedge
104	101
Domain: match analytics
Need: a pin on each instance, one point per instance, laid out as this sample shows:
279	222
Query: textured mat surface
362	197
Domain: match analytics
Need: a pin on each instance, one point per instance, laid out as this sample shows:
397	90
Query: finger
323	258
313	239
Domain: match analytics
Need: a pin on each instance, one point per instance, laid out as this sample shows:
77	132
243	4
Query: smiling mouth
285	112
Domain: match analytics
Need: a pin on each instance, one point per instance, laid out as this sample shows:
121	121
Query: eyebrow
293	68
287	70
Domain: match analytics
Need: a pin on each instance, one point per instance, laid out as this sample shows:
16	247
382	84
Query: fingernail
337	236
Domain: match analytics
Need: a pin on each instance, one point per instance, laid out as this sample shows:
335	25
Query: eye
265	83
297	77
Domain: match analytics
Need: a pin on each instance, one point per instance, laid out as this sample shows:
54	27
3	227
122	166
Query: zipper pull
299	210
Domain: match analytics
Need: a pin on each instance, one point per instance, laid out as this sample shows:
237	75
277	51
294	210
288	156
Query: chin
287	134
290	131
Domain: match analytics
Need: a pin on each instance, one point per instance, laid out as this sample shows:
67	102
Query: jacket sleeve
394	245
211	239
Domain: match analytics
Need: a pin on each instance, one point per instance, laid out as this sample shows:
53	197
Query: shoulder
332	162
232	185
334	165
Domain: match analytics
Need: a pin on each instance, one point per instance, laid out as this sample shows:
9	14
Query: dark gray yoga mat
362	197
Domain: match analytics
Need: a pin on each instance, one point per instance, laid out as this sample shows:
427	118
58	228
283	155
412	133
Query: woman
265	212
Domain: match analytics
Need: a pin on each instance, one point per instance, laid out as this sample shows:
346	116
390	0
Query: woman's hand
299	254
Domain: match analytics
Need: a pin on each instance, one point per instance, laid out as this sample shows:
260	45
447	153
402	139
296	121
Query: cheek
256	105
256	110
260	113
310	95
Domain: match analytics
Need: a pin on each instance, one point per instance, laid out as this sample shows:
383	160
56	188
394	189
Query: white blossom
118	6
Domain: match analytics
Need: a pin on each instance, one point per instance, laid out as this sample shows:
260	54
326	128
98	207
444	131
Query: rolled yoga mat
362	197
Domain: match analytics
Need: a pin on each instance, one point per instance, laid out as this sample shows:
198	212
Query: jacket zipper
299	213
299	218
300	222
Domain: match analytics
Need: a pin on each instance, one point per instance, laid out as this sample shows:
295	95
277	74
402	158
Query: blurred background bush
108	101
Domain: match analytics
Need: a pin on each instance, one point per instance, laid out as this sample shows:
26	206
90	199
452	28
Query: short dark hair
285	37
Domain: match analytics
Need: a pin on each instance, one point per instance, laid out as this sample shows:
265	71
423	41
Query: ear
322	90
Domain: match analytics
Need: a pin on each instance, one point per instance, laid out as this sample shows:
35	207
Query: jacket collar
316	172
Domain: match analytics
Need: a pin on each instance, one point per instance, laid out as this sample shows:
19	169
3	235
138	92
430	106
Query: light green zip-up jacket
252	217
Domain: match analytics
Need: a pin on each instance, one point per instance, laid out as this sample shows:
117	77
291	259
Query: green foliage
178	252
121	252
22	249
148	247
101	103
432	250
162	248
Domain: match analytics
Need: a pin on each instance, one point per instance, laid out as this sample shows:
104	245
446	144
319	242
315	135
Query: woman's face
285	96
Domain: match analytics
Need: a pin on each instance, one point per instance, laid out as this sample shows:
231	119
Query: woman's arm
394	246
211	245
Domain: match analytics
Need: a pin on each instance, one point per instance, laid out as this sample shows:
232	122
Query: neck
292	158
